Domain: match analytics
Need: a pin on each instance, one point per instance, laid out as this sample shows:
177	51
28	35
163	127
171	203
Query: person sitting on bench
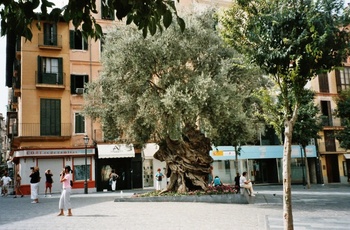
244	183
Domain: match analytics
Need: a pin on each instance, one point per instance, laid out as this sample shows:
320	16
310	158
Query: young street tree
292	41
170	89
306	127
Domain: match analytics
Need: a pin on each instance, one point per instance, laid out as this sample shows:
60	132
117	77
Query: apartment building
47	76
335	161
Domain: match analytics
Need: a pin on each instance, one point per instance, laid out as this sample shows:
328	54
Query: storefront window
79	172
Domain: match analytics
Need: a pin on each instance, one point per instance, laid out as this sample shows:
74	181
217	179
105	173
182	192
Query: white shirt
6	180
242	181
9	164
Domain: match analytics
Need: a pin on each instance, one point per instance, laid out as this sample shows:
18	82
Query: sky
3	88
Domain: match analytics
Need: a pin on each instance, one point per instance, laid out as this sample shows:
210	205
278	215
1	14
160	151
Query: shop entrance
122	167
265	171
332	168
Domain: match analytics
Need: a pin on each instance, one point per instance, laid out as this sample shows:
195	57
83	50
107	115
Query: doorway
332	168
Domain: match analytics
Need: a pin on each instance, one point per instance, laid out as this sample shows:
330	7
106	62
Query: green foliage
17	16
155	87
291	40
308	124
343	112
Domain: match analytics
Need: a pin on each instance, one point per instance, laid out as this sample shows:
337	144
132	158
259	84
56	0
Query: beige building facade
335	161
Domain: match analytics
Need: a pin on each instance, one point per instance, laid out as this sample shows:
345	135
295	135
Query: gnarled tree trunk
188	161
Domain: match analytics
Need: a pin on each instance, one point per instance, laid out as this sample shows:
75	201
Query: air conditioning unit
79	90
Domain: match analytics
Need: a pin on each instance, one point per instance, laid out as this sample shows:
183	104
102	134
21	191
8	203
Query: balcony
50	80
38	130
53	42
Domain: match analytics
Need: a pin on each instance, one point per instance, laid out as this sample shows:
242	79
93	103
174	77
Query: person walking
5	180
64	203
34	184
159	178
244	183
48	182
113	179
18	186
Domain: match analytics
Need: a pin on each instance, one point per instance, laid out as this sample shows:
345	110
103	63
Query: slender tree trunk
308	184
287	188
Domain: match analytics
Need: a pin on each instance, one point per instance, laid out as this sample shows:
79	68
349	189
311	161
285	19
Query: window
79	172
50	70
79	126
106	12
326	113
342	79
329	140
77	82
50	34
77	41
323	83
50	117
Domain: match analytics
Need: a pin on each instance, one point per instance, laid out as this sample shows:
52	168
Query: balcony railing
50	42
39	130
50	79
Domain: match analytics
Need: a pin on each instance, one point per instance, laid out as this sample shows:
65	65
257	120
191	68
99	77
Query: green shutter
46	34
72	39
39	71
79	123
86	79
72	84
60	71
50	117
54	39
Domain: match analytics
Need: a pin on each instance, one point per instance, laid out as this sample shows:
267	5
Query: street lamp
86	141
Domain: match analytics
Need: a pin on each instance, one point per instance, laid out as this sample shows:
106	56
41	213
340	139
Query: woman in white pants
64	203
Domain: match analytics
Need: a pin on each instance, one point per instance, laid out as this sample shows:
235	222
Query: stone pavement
321	207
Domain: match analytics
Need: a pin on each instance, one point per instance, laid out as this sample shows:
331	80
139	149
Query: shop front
120	158
55	160
263	163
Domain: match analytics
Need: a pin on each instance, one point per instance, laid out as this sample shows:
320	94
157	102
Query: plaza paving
321	207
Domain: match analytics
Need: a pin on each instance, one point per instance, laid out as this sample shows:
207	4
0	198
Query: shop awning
347	156
115	151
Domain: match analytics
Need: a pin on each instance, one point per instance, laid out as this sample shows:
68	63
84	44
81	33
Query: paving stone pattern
321	207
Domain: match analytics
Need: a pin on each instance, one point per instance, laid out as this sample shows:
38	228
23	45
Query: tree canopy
17	16
174	90
343	112
292	41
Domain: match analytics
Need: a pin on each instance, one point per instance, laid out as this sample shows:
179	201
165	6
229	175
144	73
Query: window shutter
84	42
54	39
86	79
337	80
39	71
46	34
79	123
72	39
50	117
60	71
72	84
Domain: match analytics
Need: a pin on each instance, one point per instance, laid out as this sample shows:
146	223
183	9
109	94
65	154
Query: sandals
60	214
